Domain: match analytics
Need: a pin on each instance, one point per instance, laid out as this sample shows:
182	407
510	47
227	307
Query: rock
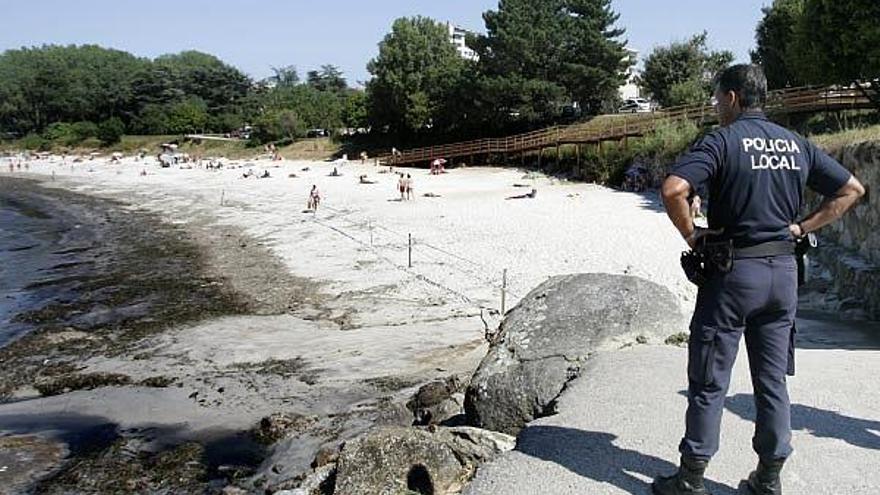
437	401
320	481
394	460
326	455
72	382
476	445
544	342
280	425
25	459
850	247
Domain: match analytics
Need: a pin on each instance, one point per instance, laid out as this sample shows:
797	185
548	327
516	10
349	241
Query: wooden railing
788	101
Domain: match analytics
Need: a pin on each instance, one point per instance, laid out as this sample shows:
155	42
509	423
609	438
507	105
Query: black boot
765	480
687	481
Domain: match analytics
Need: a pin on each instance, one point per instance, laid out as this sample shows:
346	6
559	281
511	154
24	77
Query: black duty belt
772	248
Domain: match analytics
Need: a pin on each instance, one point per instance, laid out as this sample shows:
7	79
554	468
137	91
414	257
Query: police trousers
757	297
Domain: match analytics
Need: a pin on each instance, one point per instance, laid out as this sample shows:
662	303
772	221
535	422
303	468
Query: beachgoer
529	195
314	199
748	281
401	186
409	187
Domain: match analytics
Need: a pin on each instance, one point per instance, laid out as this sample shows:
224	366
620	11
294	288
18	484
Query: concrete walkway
620	423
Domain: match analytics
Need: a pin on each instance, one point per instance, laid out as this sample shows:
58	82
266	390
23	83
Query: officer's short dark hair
747	81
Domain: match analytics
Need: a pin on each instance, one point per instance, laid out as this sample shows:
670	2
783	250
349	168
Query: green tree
186	116
774	38
329	78
285	76
278	125
111	130
572	44
174	77
354	112
684	66
415	72
286	112
48	84
837	41
690	92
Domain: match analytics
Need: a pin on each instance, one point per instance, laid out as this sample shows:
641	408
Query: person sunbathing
528	195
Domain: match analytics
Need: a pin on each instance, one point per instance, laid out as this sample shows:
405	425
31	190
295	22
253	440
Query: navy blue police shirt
755	173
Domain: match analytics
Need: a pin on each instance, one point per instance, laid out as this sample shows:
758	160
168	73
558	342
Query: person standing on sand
409	187
401	186
314	199
756	172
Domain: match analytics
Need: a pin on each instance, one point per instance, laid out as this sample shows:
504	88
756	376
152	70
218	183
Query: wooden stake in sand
222	196
503	291
409	259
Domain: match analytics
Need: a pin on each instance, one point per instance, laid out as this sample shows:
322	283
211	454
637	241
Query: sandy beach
338	327
328	324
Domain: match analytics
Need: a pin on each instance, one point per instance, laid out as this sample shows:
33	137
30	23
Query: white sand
568	228
412	324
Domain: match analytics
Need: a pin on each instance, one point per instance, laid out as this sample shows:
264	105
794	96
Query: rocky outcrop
277	426
437	402
25	459
850	248
397	460
545	340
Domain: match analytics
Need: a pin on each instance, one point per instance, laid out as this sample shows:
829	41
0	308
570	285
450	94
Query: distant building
457	36
629	88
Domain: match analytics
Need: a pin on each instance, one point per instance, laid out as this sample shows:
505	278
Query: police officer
754	172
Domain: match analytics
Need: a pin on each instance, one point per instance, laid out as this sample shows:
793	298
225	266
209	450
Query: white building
457	36
630	89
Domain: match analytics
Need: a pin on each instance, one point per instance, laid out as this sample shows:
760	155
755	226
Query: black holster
707	258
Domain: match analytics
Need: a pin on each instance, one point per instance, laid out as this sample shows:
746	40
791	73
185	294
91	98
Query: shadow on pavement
860	432
817	330
593	455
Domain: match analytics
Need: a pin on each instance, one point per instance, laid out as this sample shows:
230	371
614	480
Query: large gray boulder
394	460
544	342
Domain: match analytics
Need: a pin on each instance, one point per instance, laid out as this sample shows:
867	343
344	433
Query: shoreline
336	332
157	373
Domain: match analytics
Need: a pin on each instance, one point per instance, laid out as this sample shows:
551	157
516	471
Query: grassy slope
834	141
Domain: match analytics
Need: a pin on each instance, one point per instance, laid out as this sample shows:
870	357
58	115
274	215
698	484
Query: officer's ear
733	99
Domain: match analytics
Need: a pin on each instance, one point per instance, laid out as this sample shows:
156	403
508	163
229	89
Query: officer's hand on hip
700	233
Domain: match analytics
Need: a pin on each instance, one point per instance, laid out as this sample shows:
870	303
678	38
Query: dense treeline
539	62
819	42
798	42
67	94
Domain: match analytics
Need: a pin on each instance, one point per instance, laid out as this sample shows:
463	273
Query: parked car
635	105
315	133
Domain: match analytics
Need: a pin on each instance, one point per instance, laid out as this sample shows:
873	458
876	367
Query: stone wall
850	248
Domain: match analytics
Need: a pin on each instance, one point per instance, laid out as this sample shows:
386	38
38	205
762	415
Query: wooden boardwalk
623	126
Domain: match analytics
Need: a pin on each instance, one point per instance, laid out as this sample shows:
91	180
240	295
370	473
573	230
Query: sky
257	35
